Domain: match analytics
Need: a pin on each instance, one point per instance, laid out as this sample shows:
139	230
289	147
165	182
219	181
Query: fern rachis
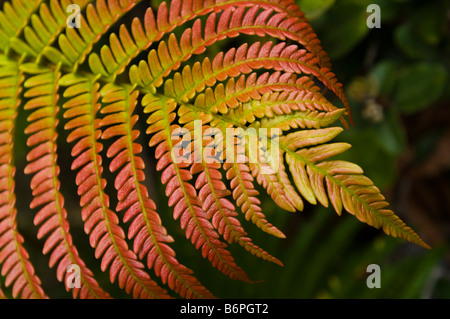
158	66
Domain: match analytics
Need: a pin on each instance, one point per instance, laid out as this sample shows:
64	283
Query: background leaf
420	85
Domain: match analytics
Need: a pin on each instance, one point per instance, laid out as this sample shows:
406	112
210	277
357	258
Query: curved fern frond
16	266
237	61
268	96
233	22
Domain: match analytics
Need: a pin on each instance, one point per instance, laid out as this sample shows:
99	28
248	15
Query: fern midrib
323	76
55	182
65	235
142	203
346	189
353	194
223	70
53	160
11	195
101	195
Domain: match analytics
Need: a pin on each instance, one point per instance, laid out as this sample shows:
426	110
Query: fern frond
235	163
182	195
42	92
242	60
150	237
114	59
101	223
76	45
222	211
268	94
13	20
230	23
48	26
16	266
